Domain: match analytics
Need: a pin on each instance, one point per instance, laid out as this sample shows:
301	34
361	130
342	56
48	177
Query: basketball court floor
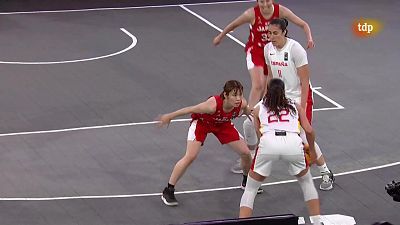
81	90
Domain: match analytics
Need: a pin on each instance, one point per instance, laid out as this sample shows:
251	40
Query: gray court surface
109	73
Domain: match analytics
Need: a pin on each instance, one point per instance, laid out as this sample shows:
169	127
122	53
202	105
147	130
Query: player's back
287	120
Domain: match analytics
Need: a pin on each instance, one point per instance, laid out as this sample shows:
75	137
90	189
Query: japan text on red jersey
258	36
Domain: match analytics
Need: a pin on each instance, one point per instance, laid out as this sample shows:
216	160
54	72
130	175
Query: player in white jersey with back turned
286	59
276	121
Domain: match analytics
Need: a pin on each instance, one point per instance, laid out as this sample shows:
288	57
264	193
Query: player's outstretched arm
246	17
207	106
289	15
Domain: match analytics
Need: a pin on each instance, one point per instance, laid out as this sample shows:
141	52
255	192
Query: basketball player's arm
269	77
289	15
246	108
299	57
304	75
310	134
208	106
256	121
246	17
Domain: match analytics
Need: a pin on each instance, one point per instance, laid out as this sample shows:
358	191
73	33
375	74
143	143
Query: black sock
170	186
244	179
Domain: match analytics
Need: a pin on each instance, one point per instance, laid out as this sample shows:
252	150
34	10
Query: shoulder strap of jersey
257	11
276	11
219	101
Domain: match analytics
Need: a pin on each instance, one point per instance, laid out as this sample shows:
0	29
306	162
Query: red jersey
219	117
258	31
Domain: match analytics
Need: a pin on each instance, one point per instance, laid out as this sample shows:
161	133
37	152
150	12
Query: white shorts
272	148
249	60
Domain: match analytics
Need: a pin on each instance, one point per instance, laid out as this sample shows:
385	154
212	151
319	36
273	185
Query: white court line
113	125
107	126
184	192
211	24
133	44
328	99
122	8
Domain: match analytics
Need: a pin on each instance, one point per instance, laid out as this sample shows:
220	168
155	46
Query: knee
245	153
307	186
250	193
188	159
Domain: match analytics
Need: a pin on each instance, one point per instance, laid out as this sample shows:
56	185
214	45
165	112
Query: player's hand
310	44
217	39
310	157
163	120
248	112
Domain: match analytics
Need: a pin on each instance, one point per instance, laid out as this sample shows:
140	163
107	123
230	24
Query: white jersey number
283	117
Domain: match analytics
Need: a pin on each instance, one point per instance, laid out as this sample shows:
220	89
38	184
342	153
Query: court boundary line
132	45
123	8
183	192
117	125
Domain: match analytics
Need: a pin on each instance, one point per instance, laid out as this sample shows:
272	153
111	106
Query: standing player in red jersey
211	116
259	17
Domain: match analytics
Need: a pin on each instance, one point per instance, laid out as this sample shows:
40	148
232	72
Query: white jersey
286	121
284	63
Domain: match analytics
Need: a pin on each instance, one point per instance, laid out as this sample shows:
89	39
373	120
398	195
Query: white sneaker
327	181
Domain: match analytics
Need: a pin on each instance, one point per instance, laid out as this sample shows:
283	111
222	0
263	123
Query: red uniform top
258	31
219	117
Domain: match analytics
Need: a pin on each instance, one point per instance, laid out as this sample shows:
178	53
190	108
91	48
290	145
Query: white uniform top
286	121
284	63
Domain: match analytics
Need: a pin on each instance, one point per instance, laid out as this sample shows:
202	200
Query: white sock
253	153
323	169
316	220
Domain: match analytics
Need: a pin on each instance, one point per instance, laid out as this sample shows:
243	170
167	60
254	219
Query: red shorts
225	132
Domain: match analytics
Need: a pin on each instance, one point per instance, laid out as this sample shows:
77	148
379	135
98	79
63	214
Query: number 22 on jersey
283	117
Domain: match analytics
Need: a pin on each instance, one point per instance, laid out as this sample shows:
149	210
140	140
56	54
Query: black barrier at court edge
287	219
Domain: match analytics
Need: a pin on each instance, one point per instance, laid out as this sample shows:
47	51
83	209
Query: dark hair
282	23
232	85
275	99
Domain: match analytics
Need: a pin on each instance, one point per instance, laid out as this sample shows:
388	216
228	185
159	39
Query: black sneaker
168	197
259	191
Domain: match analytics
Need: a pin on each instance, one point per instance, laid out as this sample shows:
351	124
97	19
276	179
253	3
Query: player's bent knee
189	159
250	193
307	186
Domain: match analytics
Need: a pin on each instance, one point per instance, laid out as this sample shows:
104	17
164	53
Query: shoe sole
326	189
168	203
237	171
